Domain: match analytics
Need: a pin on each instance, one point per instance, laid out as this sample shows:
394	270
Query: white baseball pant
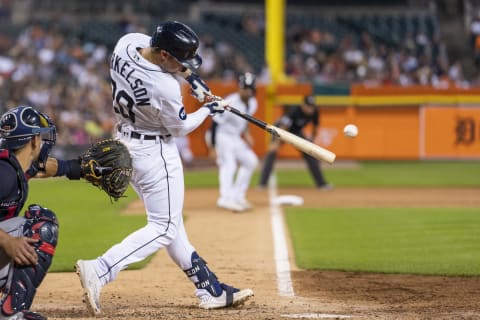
159	182
232	150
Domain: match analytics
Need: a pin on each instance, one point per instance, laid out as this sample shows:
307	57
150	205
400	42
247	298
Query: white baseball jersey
148	104
230	123
233	153
147	99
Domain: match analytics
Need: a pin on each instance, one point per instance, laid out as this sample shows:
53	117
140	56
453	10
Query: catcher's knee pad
202	276
41	224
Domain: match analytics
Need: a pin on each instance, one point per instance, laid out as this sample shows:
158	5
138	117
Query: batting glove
216	106
199	88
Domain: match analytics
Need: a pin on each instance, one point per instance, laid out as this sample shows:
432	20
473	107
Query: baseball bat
301	144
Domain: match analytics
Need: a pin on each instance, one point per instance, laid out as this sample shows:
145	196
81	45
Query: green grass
368	174
393	240
392	174
89	223
427	240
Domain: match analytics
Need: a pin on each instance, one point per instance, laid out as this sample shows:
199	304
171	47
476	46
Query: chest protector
11	208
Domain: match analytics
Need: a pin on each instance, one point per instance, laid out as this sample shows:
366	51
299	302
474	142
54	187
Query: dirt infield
239	248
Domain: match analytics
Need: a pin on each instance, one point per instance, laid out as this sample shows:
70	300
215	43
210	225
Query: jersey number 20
122	103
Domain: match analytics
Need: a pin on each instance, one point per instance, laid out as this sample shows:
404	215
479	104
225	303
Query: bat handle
210	97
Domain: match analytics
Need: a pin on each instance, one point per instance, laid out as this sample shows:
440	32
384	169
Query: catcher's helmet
180	41
19	125
247	80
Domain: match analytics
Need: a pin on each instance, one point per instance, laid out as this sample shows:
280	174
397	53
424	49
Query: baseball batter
148	103
235	158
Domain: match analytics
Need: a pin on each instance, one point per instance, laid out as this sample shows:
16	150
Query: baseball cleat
91	285
246	205
229	205
230	297
326	186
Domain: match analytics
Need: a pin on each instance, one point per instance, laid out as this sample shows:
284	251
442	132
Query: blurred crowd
64	77
474	33
318	56
221	60
68	77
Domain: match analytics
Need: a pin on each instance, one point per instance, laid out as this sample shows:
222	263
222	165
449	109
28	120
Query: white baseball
350	130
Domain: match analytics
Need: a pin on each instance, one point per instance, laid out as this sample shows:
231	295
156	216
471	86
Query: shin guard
203	277
41	224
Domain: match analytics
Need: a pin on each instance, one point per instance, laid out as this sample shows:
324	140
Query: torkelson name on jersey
124	69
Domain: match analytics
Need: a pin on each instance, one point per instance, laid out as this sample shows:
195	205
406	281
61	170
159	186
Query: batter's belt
136	135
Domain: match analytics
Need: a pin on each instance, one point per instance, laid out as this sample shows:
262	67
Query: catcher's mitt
107	165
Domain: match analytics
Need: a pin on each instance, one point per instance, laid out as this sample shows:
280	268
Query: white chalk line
282	263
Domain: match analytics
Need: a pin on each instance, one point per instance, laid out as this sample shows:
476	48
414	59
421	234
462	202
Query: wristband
70	168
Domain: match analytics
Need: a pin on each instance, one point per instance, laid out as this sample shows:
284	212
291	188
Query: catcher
27	243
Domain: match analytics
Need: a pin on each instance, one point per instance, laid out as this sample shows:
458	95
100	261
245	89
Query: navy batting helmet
247	80
19	125
180	41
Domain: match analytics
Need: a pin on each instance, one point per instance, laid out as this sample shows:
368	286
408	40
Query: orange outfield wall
450	132
386	131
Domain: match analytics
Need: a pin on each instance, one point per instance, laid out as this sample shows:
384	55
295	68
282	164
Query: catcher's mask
180	41
19	125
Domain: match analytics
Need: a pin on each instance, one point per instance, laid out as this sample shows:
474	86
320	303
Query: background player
232	142
148	103
294	121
